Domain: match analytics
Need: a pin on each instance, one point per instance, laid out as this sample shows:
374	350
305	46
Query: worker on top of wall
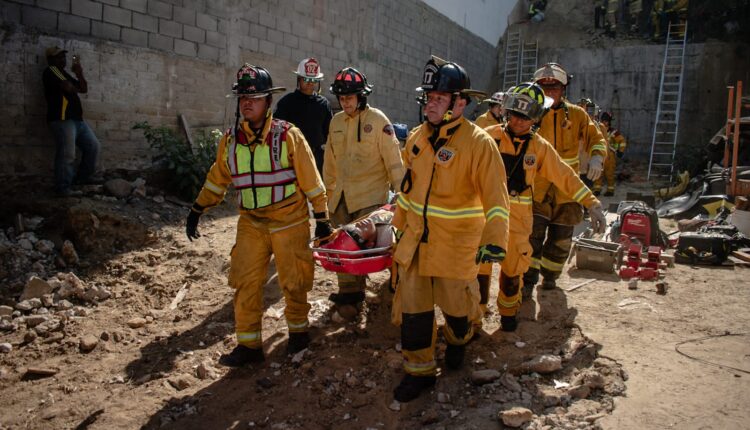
536	10
362	163
494	114
616	145
307	109
565	126
526	156
452	214
273	170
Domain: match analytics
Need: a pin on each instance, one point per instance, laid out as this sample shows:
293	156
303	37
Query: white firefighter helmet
551	72
495	99
309	68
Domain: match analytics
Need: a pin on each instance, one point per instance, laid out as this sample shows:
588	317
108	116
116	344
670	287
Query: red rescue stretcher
343	254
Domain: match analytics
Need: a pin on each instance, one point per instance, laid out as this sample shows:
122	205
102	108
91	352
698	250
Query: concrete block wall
154	59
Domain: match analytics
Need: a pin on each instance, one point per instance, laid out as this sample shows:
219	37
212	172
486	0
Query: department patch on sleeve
367	128
529	161
388	129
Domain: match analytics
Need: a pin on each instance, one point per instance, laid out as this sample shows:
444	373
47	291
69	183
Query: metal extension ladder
512	59
529	55
664	142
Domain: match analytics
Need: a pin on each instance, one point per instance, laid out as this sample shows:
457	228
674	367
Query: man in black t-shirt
65	119
307	109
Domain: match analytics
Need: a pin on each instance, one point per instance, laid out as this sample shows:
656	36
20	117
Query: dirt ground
155	365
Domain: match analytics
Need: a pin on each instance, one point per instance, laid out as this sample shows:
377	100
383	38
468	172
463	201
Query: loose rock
118	187
137	322
180	382
69	253
515	417
6	311
88	343
544	364
35	288
5	347
481	377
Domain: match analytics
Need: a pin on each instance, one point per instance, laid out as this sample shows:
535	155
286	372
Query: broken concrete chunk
544	364
88	343
515	417
118	187
35	288
137	322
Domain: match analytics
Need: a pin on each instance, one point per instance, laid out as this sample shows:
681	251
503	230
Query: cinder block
183	47
258	31
291	40
39	18
87	8
73	24
275	36
136	5
267	47
105	31
249	43
194	34
216	39
208	52
115	15
170	28
134	37
160	9
58	5
206	22
110	2
145	22
183	15
157	41
283	25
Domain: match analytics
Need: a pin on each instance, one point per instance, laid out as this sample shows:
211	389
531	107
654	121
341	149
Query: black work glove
191	226
620	154
323	229
490	254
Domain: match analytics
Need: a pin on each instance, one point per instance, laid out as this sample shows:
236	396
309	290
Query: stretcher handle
353	253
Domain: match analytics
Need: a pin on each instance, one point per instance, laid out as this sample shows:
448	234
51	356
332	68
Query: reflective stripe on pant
415	299
516	263
610	164
350	283
248	274
551	238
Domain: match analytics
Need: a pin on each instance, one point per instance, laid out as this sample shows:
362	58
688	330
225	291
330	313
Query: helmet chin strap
448	115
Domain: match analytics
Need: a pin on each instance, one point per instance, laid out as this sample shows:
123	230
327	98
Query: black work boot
411	386
297	342
347	298
508	323
454	356
527	291
242	355
549	284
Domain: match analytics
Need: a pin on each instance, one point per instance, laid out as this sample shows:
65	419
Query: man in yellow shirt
362	163
273	170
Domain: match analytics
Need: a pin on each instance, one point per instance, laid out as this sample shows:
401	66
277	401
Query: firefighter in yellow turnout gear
565	126
494	114
362	162
526	156
273	170
616	145
452	213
